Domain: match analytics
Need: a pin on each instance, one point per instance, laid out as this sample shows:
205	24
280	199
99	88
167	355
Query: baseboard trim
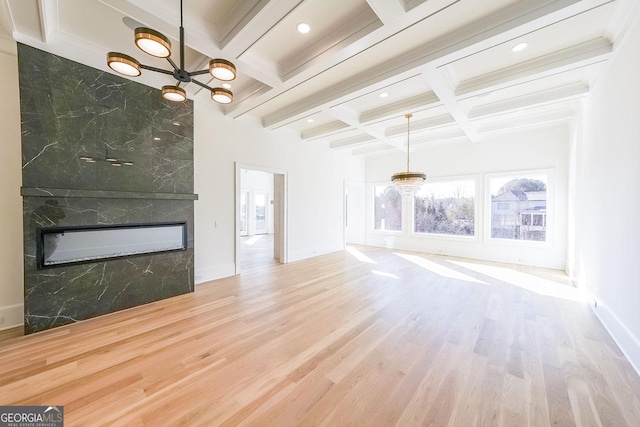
12	316
310	253
213	273
628	343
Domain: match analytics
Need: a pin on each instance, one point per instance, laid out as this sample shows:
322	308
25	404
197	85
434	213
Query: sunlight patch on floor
359	255
526	281
438	269
252	240
385	274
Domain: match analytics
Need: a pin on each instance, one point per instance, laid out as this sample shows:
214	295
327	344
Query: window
538	220
387	206
526	196
446	208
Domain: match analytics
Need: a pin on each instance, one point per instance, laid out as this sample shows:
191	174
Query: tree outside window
387	207
446	208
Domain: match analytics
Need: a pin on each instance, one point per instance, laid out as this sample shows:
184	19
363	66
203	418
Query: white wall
607	194
315	188
11	263
316	176
542	149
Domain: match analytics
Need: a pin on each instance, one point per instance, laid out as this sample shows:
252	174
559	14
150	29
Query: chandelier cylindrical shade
407	183
221	95
174	93
152	42
123	64
222	69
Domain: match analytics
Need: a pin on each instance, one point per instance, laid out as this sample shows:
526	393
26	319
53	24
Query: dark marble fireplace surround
69	110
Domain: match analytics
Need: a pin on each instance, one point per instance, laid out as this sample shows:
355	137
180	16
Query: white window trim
550	214
476	209
371	209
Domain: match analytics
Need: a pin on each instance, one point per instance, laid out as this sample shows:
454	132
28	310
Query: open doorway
260	218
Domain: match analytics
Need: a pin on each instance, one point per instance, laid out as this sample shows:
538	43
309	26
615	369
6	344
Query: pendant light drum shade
222	69
174	93
152	42
221	95
123	64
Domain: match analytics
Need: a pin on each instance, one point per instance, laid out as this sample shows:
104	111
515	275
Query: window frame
549	218
372	207
476	209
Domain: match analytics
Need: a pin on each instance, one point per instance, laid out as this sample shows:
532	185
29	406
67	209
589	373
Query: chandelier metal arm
199	72
158	45
173	64
202	85
157	70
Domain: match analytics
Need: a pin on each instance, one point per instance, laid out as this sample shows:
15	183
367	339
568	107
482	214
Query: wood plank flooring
370	337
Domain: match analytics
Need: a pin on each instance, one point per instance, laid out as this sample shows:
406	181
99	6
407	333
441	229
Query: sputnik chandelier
156	44
408	182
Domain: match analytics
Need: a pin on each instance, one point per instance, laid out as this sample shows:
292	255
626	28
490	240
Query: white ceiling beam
256	24
339	39
582	55
421	125
260	68
351	117
418	102
387	10
509	123
350	142
515	20
443	89
242	18
326	129
550	96
430	9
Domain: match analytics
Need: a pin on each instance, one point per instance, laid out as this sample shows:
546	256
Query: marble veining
74	111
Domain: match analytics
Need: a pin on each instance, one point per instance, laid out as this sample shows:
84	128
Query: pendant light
408	182
156	44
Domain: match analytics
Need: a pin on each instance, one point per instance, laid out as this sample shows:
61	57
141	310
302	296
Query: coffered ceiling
363	65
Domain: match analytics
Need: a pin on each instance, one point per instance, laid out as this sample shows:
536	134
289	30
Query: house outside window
387	208
519	207
446	207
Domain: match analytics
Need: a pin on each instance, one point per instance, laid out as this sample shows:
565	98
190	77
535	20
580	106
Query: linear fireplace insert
58	246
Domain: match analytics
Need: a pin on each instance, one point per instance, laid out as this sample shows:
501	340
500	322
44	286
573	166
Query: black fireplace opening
58	246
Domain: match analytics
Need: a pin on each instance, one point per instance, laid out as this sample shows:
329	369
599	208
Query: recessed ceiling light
176	124
383	95
519	47
226	85
309	120
156	139
304	28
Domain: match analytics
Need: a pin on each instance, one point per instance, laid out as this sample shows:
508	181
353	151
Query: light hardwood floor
370	337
